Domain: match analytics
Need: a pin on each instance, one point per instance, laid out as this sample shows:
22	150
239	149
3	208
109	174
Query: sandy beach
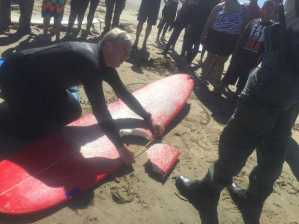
143	199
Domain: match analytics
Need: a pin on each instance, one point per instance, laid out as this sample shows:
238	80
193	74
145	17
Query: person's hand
126	156
157	130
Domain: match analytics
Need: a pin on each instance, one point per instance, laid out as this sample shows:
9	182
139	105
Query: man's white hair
119	36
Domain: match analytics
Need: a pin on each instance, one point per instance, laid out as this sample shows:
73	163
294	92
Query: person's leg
173	38
166	27
208	65
147	34
271	155
73	15
109	11
187	43
26	8
92	10
152	18
218	69
119	7
231	74
202	54
243	77
270	158
237	141
5	11
46	24
138	32
292	157
50	111
160	28
194	51
68	109
57	26
82	9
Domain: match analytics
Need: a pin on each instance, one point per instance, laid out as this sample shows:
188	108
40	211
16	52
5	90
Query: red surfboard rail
52	170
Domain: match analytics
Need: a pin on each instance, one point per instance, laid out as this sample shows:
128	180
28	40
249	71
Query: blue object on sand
75	92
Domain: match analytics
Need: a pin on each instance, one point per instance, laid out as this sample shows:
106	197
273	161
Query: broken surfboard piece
162	159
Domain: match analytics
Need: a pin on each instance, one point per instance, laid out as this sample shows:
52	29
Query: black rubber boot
249	205
202	195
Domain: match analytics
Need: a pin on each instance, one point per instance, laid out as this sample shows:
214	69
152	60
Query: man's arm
95	95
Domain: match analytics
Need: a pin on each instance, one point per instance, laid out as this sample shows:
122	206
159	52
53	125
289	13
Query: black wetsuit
263	119
34	84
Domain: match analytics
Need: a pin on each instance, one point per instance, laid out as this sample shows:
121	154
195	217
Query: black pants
26	8
5	12
191	43
92	10
173	38
241	64
113	5
163	26
254	126
78	9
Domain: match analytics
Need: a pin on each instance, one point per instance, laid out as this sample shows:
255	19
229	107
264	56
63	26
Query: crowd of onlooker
224	28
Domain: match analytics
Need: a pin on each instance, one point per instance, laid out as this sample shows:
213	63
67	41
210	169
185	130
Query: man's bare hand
156	130
126	156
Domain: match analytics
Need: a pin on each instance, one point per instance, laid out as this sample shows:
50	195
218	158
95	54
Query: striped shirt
229	22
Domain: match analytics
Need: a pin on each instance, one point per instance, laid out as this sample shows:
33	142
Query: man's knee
74	110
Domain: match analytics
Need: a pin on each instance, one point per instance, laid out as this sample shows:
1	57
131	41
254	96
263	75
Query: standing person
78	8
26	8
5	11
53	8
38	95
220	36
181	22
148	11
168	16
253	11
263	119
114	9
248	52
93	4
192	36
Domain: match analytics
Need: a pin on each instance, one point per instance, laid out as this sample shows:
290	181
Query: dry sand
148	201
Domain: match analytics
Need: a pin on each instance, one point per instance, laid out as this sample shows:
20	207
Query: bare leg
82	11
203	51
147	34
166	26
119	7
138	32
57	27
92	9
218	69
72	17
208	65
109	12
46	24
